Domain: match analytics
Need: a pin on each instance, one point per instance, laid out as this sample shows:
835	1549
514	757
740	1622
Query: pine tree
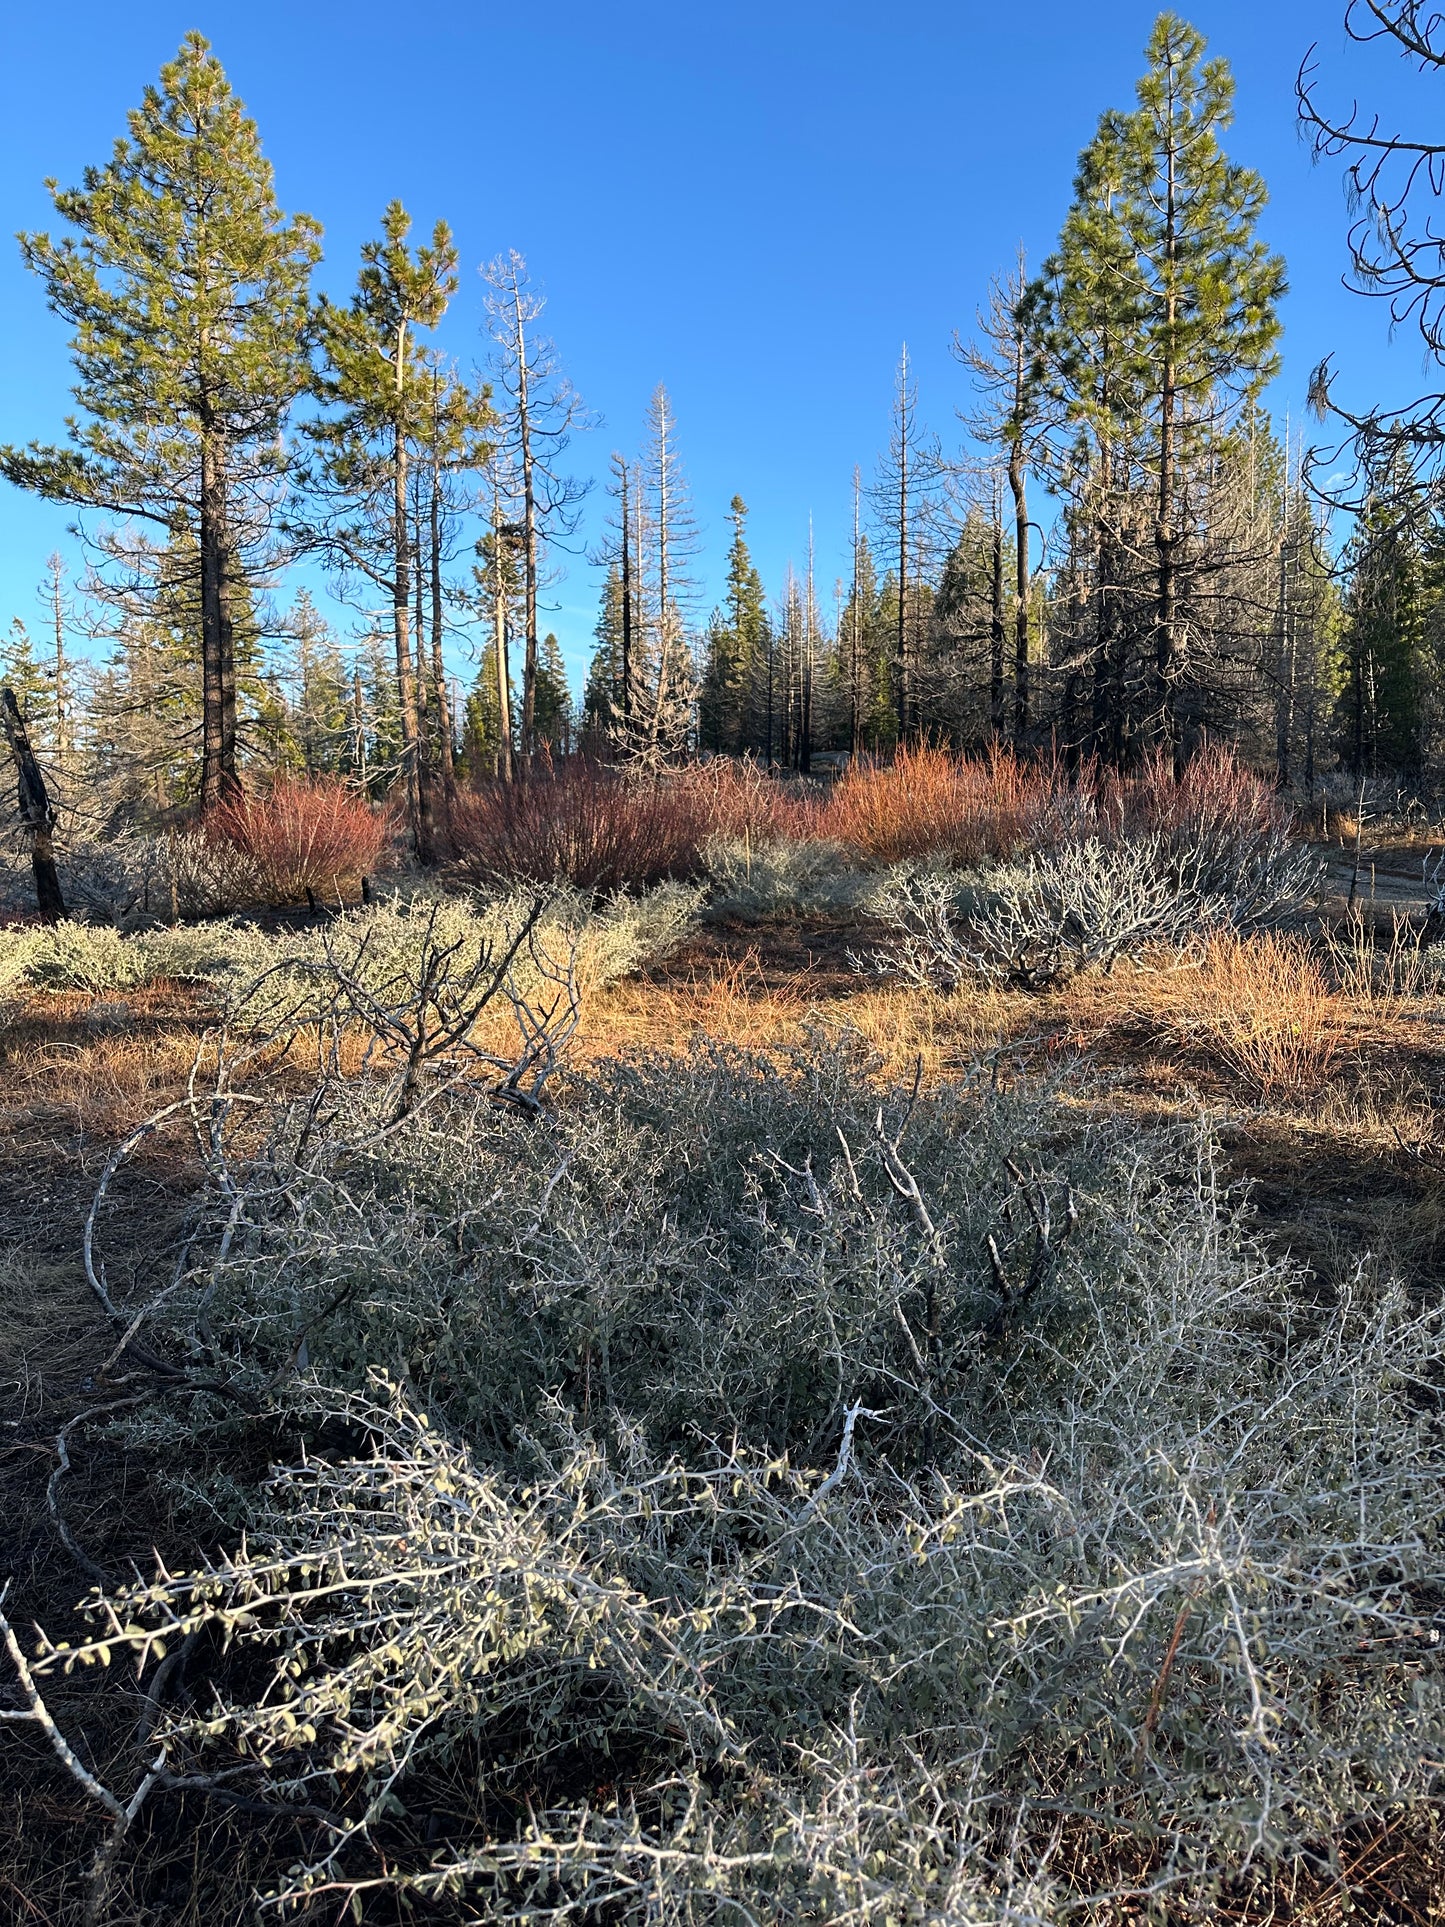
1382	700
666	541
22	672
969	625
552	716
602	711
375	381
1208	293
454	427
540	413
1154	326
906	500
188	293
734	646
481	721
1009	417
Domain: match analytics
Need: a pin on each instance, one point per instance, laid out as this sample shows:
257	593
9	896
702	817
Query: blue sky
754	203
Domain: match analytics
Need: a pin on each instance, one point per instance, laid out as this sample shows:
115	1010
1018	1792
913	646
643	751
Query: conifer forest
792	1276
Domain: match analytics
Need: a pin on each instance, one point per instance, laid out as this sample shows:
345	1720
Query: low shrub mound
295	842
579	823
1086	903
928	802
786	1500
271	975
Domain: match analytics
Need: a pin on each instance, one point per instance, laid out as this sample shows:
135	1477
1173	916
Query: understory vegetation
694	1474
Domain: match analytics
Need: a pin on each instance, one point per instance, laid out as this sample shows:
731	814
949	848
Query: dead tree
37	812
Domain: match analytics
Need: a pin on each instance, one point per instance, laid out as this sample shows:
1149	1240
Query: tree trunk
358	705
63	743
1018	487
1166	542
1285	676
903	689
504	686
219	780
529	538
36	811
417	801
445	761
627	593
853	687
1166	536
664	633
996	624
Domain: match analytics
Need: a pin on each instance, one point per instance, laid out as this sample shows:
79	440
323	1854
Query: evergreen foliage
188	293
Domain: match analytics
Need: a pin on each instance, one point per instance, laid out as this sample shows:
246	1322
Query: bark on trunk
36	811
626	605
417	801
996	624
219	780
1166	535
445	760
1018	487
903	689
529	540
504	686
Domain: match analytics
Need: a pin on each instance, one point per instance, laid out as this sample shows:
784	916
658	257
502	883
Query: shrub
79	956
298	840
1085	904
927	802
580	824
1213	799
753	878
18	946
208	876
802	1495
739	797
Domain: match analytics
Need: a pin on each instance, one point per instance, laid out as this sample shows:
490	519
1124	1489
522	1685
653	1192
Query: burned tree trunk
37	812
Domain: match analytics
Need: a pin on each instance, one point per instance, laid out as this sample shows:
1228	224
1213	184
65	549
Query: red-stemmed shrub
928	802
740	797
1213	795
580	823
302	840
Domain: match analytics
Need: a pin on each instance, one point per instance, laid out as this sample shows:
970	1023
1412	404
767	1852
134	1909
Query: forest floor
1348	1160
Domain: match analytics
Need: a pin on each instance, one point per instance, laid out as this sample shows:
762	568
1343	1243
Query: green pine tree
734	647
1208	296
602	698
188	293
22	672
1154	326
378	383
1382	700
481	721
552	715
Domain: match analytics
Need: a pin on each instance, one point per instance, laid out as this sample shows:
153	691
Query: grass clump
1261	1008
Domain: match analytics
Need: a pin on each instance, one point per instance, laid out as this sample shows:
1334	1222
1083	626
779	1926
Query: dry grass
1260	1010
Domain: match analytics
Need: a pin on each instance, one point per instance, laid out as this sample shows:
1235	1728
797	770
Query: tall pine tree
188	292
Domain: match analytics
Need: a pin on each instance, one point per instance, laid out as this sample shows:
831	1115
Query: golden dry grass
1260	1008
